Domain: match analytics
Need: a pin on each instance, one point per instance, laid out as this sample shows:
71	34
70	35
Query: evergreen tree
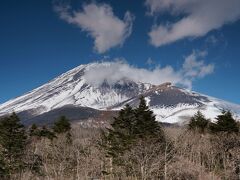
225	123
198	123
13	145
129	127
62	125
45	132
121	134
146	125
34	131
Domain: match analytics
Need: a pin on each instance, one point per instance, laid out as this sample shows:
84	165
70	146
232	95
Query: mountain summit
79	91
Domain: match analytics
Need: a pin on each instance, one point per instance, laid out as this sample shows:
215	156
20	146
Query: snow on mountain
170	103
71	88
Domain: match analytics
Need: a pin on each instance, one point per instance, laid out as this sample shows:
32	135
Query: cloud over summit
193	68
99	21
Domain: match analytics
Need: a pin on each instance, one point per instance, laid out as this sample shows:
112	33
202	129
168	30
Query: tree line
15	139
134	146
137	145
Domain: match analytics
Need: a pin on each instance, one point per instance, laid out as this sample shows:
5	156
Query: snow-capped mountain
72	90
172	104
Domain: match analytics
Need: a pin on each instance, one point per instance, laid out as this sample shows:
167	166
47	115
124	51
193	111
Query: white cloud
99	21
113	72
199	17
192	67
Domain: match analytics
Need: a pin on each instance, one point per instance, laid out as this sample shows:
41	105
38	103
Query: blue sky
42	39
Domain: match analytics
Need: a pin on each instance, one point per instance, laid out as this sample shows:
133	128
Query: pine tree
146	125
34	131
45	132
129	127
13	144
198	123
62	125
121	135
225	123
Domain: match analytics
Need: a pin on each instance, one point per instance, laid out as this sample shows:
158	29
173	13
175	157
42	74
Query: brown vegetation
68	152
189	156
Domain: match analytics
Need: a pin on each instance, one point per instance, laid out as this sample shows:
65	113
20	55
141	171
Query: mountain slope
174	105
71	92
71	88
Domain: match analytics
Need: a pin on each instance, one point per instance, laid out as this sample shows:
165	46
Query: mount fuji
72	95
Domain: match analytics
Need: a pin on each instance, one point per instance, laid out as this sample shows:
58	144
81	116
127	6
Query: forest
134	146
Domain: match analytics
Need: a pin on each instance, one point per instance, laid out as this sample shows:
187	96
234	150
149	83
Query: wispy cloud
212	40
150	61
99	21
193	68
200	17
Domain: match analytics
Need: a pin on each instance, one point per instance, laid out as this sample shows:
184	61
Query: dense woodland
135	146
